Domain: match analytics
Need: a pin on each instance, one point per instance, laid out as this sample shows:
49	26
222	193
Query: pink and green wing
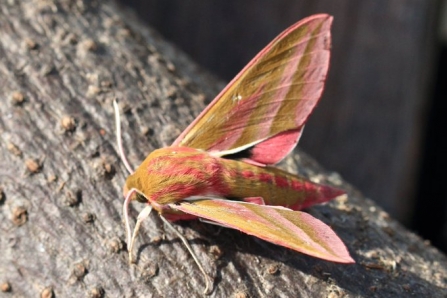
266	105
293	229
262	112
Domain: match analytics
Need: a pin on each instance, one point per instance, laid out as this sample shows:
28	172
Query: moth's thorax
171	174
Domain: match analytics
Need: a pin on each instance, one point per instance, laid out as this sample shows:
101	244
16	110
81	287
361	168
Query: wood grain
61	225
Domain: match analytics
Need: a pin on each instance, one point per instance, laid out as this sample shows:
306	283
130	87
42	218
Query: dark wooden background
371	122
61	233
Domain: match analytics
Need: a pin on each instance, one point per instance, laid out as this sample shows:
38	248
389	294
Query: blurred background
382	119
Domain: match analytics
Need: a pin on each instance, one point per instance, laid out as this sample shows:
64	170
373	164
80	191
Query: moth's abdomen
275	186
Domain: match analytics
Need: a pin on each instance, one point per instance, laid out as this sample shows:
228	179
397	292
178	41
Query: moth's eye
140	198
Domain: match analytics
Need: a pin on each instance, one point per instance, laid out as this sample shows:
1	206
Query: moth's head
132	184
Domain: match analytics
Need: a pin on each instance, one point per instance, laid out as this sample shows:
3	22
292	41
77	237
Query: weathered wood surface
368	126
61	225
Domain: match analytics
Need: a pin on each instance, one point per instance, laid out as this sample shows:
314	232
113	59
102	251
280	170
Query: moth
220	168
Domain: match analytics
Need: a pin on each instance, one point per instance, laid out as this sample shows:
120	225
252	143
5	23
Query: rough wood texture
368	126
61	232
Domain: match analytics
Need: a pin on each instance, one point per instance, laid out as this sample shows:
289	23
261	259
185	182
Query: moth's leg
188	247
141	217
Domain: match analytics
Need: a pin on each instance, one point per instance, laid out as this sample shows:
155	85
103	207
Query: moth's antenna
118	137
188	247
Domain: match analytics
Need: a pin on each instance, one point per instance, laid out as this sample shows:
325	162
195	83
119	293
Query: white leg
188	247
141	217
